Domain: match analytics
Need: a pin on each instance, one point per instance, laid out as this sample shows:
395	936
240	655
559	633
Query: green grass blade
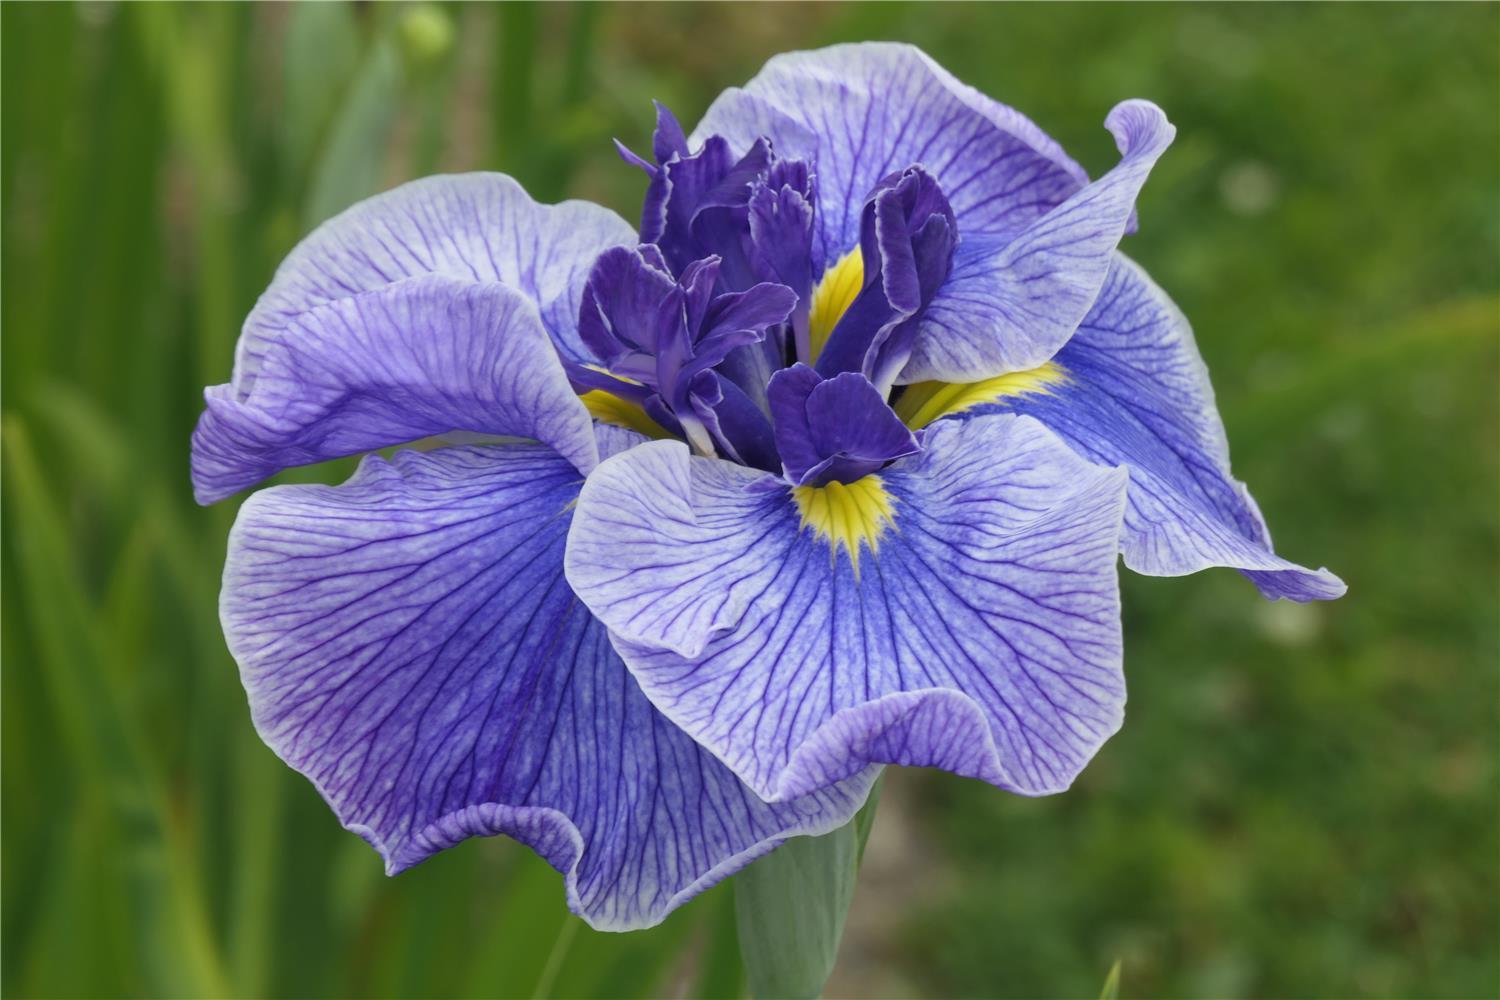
1111	990
182	955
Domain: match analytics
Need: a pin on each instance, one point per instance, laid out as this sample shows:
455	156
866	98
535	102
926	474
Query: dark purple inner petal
834	429
620	300
741	429
780	223
907	237
669	140
661	337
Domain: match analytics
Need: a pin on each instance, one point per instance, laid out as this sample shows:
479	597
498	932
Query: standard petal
476	227
980	633
1009	304
1034	235
422	356
1134	391
862	111
409	643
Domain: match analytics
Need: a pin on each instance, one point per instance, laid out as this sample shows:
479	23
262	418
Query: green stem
555	958
790	907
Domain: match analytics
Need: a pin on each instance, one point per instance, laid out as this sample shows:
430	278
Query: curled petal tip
1298	585
1140	128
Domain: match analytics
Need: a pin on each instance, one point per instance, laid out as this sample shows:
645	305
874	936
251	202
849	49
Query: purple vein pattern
361	343
654	661
1137	394
984	638
409	643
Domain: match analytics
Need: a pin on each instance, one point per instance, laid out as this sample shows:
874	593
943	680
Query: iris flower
826	466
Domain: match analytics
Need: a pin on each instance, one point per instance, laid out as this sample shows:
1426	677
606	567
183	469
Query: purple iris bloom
827	466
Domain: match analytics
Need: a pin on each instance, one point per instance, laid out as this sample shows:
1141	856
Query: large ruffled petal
409	643
1034	236
1009	305
860	112
1134	391
978	632
474	227
421	356
432	302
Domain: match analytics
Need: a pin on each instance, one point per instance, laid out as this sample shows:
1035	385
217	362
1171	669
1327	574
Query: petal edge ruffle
861	111
408	643
1133	390
981	634
1009	307
480	227
421	356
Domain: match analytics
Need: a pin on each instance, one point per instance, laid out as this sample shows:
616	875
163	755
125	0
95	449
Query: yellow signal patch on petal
847	515
611	409
836	291
924	402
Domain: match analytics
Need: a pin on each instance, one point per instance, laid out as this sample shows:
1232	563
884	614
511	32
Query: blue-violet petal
409	643
980	633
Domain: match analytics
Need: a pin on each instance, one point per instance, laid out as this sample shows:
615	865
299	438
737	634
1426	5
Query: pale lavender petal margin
1010	307
401	288
862	111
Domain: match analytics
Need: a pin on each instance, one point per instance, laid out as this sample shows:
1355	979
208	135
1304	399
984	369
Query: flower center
711	329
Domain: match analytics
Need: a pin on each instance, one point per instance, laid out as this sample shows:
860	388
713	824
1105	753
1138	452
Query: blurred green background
1304	800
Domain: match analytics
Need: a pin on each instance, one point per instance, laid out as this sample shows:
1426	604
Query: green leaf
721	972
319	57
864	820
790	908
104	738
352	163
1111	989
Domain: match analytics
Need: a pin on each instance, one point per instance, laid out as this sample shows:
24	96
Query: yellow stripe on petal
611	409
847	515
835	293
924	402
